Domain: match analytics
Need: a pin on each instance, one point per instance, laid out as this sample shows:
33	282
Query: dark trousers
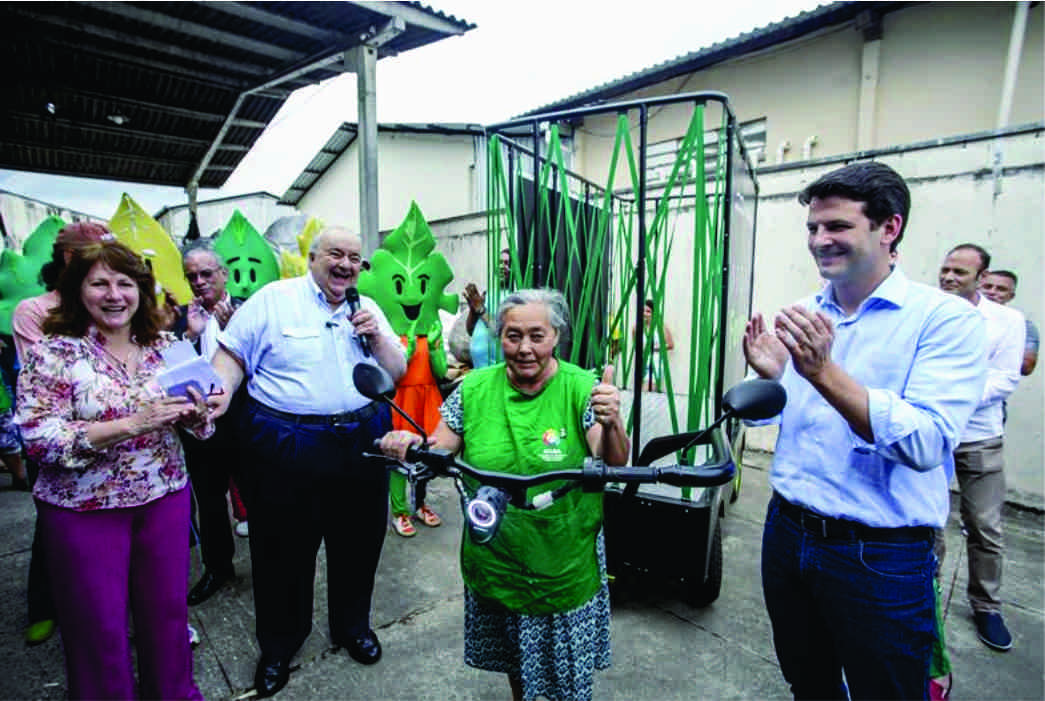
859	605
308	485
211	463
38	587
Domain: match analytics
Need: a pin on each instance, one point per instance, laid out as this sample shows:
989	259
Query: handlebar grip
627	474
704	476
413	454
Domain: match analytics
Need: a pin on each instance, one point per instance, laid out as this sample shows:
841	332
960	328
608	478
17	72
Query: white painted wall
260	209
23	214
437	171
940	74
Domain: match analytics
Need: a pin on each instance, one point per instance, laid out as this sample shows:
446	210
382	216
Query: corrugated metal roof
343	137
140	91
868	14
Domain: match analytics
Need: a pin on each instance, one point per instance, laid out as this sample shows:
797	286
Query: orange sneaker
429	517
402	525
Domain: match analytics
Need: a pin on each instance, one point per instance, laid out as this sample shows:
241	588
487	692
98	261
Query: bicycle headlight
484	512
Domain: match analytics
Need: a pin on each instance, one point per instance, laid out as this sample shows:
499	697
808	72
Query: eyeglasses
205	274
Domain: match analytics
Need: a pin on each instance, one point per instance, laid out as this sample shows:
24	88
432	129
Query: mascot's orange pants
417	393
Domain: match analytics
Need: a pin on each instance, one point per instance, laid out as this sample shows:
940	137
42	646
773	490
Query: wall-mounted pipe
1012	65
807	147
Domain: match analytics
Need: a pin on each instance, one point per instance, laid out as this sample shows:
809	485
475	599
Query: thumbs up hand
605	399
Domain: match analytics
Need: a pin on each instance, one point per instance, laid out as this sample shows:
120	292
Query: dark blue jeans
862	607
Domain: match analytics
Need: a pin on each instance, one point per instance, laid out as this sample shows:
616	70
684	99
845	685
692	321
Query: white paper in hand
184	369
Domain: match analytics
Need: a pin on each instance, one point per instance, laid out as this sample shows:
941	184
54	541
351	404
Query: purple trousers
106	566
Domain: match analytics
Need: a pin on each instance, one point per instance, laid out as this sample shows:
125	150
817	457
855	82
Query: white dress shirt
1006	337
209	337
299	353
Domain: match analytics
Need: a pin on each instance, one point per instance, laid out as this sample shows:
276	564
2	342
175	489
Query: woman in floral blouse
111	494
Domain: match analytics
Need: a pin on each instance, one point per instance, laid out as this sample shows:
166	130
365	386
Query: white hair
553	300
326	231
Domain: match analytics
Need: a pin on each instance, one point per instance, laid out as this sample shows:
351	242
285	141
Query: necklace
124	362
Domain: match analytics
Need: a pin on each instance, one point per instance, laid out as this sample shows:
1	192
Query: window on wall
660	156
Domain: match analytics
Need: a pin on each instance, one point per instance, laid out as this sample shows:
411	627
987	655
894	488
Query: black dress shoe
365	649
207	587
271	676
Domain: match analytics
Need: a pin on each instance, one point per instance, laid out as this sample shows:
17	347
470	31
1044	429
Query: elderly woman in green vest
536	603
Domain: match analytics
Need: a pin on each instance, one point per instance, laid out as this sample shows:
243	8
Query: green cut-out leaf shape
408	279
251	262
20	272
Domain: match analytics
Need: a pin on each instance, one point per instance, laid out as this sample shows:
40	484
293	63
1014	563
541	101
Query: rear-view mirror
755	399
373	382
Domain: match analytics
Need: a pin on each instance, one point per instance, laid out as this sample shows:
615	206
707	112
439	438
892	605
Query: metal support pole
535	220
727	222
640	292
192	191
512	183
362	60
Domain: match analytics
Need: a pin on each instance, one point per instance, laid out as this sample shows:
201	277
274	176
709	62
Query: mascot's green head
20	272
408	281
248	256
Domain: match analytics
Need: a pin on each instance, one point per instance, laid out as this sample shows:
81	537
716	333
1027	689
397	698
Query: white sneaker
194	636
241	529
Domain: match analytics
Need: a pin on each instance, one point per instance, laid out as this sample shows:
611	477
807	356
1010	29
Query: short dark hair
985	257
881	189
1006	273
71	318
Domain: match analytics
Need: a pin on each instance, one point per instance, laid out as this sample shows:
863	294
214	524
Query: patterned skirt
555	656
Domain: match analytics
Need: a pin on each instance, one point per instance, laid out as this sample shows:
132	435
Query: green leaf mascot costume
20	279
408	281
248	256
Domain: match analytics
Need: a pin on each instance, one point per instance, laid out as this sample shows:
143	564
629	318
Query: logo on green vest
551	439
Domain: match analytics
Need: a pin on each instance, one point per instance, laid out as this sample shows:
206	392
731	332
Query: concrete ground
662	649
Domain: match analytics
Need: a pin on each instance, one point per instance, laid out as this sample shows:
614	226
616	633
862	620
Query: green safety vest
539	562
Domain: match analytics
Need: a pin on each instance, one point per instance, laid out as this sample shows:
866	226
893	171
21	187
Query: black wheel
702	593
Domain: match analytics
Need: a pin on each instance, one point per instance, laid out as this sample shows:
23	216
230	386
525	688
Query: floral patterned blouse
67	383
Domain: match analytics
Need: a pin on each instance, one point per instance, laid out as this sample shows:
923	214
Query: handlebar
484	507
592	475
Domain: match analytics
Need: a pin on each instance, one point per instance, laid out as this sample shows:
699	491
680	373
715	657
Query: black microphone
352	297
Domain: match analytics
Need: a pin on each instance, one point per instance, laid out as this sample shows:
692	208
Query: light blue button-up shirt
921	355
299	353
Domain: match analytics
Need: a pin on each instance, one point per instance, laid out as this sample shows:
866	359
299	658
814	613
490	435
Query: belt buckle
819	520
